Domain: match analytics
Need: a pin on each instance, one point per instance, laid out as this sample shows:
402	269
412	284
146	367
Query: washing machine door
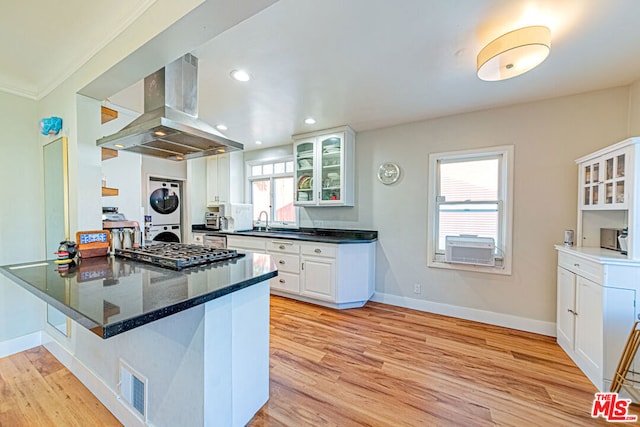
166	236
164	201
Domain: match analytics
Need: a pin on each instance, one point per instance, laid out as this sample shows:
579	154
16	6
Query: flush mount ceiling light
310	121
514	53
221	127
240	75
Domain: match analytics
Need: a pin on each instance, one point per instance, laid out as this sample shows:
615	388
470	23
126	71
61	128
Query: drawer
286	262
197	238
591	270
286	282
283	246
318	249
251	244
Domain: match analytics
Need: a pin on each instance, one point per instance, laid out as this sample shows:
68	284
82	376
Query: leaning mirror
56	208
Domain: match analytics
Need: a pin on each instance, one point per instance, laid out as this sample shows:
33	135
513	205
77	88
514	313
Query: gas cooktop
177	255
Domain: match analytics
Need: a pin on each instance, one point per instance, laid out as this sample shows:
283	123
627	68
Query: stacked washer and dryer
165	211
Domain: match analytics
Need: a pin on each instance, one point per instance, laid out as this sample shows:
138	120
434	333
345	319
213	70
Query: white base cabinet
333	275
596	309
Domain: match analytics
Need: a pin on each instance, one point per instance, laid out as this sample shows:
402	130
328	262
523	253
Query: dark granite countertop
325	235
111	295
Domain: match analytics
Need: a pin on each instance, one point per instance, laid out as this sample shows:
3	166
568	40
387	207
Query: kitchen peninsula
194	343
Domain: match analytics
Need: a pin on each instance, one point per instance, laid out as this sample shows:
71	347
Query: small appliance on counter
622	241
239	217
212	220
609	238
124	233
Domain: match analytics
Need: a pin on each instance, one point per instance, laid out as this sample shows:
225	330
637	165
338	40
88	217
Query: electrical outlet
417	288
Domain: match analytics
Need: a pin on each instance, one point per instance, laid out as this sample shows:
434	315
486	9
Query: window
272	191
471	194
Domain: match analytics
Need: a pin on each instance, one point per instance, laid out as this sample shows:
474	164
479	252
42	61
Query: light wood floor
378	366
37	390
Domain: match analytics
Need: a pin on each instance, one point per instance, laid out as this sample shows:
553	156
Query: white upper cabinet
604	180
225	178
324	167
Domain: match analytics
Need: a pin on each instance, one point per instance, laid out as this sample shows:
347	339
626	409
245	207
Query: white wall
21	215
547	135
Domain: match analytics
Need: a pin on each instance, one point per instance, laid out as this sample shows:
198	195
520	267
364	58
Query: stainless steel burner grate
177	255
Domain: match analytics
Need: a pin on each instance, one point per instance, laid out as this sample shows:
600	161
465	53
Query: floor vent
133	390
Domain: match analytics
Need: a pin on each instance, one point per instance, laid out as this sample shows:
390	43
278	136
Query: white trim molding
474	314
16	345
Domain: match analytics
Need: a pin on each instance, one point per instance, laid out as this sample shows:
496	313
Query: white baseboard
16	345
103	393
483	316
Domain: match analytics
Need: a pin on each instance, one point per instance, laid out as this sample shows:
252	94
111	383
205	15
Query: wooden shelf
106	191
108	153
108	114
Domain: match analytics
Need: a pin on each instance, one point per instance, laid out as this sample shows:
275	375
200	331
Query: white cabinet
566	308
333	275
603	180
324	167
286	256
596	310
318	272
225	177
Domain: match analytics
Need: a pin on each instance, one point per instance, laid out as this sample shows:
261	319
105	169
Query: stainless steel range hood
169	127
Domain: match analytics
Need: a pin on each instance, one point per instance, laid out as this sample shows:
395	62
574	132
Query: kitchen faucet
266	223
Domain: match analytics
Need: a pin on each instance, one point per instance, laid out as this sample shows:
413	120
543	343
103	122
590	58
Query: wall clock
388	173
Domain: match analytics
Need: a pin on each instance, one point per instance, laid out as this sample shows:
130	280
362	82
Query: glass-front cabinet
603	181
324	167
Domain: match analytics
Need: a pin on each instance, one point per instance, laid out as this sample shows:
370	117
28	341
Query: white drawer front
283	246
286	282
318	249
253	244
286	262
591	270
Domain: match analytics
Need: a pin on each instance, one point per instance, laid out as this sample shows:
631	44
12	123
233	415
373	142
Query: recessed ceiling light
221	127
258	142
240	75
220	150
118	145
159	133
310	120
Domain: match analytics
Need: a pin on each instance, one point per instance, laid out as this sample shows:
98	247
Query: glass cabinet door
305	161
591	184
614	179
331	155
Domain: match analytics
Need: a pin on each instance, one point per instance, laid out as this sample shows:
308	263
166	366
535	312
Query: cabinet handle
281	262
572	312
282	281
281	246
303	266
317	251
576	265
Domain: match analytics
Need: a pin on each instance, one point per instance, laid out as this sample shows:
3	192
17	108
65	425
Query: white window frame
505	195
271	177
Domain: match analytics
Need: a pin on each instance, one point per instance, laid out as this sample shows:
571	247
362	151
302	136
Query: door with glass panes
603	181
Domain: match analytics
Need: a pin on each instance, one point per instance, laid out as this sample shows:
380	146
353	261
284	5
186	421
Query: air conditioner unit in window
470	250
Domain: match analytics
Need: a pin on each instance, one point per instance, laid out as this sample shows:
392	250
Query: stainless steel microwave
609	238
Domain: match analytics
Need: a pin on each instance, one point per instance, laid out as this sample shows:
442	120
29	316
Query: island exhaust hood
169	127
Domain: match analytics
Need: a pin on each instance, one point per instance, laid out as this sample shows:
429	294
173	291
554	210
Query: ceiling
366	63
